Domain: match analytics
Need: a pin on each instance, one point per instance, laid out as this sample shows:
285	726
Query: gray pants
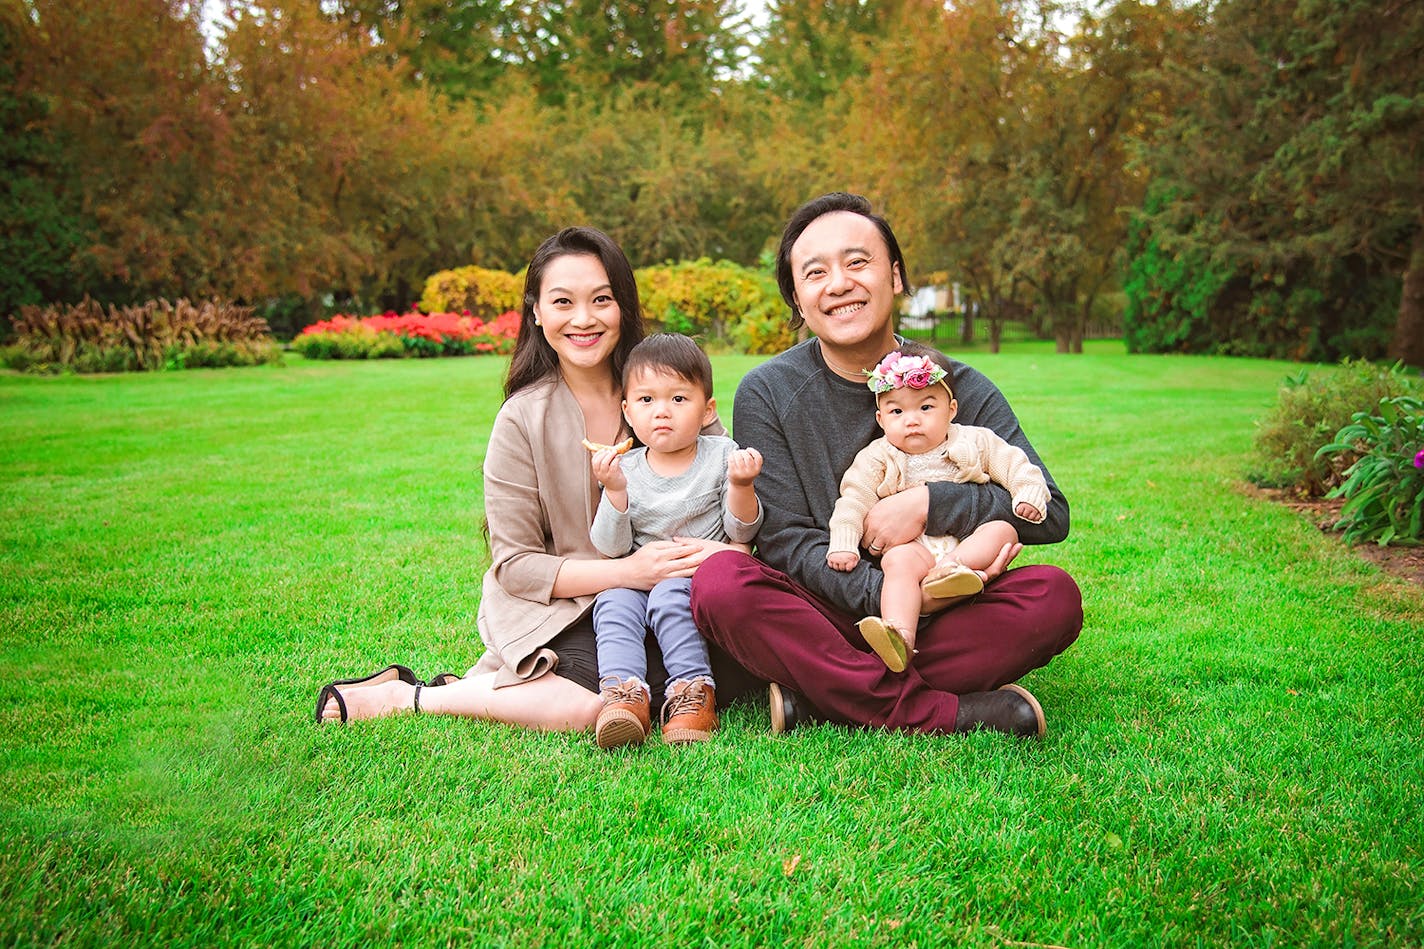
622	618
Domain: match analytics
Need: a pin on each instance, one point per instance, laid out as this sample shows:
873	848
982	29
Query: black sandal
444	678
330	692
393	671
389	673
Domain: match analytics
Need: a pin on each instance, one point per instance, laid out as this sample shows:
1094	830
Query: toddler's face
666	411
916	420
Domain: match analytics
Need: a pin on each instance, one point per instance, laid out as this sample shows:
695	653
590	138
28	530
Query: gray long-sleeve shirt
692	504
809	423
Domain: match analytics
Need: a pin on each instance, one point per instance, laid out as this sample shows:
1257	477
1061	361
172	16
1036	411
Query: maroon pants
781	632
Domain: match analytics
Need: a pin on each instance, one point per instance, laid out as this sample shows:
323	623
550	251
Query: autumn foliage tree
41	224
132	105
316	154
1004	144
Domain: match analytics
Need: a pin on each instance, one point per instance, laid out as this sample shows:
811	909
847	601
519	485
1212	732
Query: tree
1295	171
1003	142
131	106
41	226
809	49
673	52
345	177
461	48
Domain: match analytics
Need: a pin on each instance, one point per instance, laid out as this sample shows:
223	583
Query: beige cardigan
540	498
970	453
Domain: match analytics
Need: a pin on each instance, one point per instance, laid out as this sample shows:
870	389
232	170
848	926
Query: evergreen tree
1291	180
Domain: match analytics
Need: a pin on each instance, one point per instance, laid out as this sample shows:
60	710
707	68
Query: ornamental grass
88	337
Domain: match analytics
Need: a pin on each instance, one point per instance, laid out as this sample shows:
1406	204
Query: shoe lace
626	691
684	700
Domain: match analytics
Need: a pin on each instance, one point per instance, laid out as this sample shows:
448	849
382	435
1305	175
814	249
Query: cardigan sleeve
957	509
859	492
1008	465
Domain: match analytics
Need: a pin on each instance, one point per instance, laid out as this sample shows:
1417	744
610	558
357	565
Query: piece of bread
619	448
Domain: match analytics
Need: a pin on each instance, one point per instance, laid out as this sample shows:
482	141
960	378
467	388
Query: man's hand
896	520
1007	553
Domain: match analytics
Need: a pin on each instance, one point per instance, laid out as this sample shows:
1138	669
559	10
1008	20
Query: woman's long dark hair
534	359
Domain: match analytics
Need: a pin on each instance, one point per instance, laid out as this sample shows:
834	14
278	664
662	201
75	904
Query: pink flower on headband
919	378
898	371
1419	460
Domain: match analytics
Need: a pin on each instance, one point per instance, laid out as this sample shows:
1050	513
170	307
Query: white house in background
916	312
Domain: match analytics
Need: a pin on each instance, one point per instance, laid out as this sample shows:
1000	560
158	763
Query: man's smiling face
845	281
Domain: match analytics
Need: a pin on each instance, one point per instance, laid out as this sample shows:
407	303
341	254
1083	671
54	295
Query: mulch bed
1405	562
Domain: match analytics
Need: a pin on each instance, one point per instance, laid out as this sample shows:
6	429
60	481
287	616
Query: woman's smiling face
577	311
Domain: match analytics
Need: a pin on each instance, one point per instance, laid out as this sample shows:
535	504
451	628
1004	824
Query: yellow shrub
483	293
717	302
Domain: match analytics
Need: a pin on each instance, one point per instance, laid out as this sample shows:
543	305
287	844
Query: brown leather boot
1009	708
789	709
626	718
690	712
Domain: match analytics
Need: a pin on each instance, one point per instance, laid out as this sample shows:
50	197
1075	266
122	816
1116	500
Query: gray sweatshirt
809	423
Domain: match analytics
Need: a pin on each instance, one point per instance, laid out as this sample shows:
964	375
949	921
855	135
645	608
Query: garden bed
1405	562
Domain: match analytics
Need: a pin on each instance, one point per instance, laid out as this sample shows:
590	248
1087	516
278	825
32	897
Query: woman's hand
896	520
661	560
707	548
1007	553
643	569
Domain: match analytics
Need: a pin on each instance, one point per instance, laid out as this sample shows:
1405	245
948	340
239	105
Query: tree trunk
1408	342
1061	319
1083	318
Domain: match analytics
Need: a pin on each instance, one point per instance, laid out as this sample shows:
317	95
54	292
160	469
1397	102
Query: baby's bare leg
978	550
904	566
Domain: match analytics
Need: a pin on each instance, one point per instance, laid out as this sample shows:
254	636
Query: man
791	619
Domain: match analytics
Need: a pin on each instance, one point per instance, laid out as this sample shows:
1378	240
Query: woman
581	317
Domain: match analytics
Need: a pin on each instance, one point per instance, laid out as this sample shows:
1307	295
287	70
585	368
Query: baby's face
916	420
666	411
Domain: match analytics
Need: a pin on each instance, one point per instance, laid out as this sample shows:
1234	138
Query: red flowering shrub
393	334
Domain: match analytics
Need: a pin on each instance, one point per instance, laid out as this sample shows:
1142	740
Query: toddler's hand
608	471
842	560
743	465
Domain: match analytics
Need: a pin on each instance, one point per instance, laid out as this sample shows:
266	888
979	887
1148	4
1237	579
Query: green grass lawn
1234	754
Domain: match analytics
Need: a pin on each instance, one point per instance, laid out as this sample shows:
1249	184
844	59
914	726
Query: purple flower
1419	460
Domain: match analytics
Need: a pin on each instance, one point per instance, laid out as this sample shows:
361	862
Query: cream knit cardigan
970	453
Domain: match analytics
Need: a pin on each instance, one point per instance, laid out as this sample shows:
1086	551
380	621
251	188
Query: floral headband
898	371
